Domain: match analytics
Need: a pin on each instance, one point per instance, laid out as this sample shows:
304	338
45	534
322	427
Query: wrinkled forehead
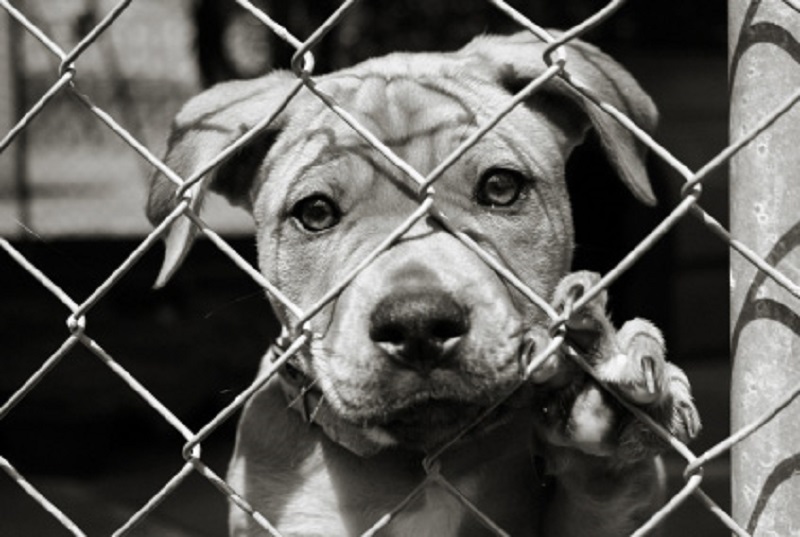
400	108
422	120
415	117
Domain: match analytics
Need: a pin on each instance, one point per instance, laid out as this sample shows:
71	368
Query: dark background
85	439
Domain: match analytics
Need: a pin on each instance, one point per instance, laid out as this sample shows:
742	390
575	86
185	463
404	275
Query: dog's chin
429	426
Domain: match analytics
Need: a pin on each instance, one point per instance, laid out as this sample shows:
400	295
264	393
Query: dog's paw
638	369
589	328
640	373
583	413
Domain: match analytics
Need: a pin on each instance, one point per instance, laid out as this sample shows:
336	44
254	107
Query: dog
415	372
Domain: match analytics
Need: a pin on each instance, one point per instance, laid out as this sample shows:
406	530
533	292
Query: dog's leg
608	478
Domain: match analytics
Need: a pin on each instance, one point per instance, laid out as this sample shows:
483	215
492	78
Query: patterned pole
764	69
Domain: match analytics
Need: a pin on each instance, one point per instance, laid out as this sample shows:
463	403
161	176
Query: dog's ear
205	126
514	61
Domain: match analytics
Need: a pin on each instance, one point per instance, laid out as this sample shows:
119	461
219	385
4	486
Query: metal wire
80	310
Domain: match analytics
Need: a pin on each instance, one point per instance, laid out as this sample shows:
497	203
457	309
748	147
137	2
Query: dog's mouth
429	425
379	387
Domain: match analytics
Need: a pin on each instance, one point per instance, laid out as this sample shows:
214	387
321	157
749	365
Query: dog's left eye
316	213
500	188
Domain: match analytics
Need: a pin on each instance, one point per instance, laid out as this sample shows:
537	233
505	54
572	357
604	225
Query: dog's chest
436	512
328	503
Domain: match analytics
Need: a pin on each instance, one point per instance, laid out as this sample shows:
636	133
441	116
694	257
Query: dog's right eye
316	213
500	187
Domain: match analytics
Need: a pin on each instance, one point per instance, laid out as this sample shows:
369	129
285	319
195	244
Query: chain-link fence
295	338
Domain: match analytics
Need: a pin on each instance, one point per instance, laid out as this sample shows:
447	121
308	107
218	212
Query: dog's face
426	335
428	323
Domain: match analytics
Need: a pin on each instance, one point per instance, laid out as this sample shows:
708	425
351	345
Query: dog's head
426	335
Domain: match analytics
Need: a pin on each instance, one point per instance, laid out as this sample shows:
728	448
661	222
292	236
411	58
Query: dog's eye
316	213
500	187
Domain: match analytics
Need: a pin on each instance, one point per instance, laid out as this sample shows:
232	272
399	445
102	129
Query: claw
648	368
547	368
641	388
546	371
550	370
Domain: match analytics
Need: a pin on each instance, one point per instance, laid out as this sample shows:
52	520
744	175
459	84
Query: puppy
411	397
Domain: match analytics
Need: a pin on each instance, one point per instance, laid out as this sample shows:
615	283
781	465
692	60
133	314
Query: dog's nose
418	329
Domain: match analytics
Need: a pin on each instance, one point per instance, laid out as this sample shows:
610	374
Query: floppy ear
514	61
205	126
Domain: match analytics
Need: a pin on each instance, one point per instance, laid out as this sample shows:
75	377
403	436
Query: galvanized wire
78	311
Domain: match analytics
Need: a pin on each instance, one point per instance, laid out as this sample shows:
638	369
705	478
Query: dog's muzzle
419	332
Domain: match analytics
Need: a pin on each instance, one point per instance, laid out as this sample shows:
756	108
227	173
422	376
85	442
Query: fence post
764	69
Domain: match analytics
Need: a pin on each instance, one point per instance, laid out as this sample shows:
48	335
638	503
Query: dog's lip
431	395
430	425
431	410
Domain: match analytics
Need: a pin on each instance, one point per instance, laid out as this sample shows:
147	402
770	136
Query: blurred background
72	197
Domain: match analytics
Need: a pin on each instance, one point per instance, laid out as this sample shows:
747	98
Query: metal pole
764	55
